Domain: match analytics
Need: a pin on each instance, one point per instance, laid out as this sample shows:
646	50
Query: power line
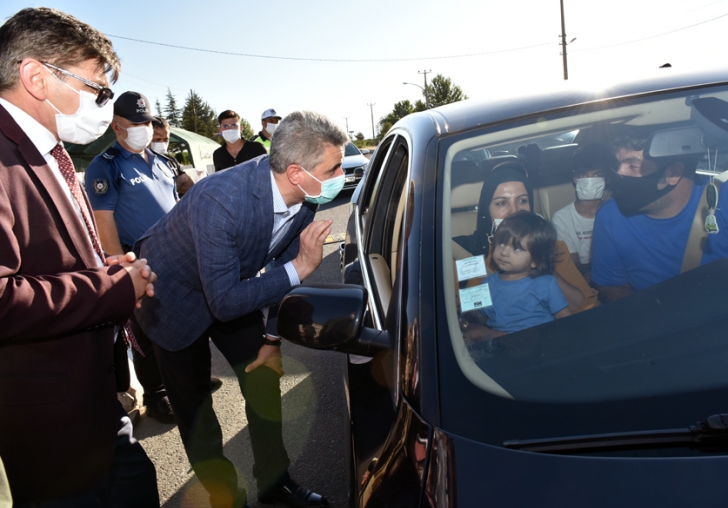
354	60
126	75
653	36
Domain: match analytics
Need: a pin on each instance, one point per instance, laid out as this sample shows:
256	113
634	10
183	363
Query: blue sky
615	38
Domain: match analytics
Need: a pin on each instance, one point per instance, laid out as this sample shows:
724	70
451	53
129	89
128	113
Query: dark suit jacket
207	251
58	418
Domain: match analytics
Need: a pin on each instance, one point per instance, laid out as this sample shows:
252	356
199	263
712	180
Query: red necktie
65	164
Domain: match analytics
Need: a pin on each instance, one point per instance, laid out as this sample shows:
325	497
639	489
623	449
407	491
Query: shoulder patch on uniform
101	186
110	153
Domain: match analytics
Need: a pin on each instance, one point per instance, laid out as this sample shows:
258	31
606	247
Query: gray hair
301	138
54	37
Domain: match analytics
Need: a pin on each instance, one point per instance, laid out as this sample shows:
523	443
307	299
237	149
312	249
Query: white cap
270	113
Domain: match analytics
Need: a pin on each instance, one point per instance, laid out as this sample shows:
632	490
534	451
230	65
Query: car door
374	384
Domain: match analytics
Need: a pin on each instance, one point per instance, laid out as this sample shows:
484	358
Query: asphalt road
314	412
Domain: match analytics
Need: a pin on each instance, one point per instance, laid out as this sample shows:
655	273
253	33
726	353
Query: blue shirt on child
523	303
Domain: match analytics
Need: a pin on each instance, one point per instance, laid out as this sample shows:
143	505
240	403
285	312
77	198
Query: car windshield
351	149
632	304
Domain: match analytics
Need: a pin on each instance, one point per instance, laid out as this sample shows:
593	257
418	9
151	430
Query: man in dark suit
208	252
64	438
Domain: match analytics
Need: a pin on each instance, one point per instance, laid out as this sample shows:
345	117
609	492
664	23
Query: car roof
507	104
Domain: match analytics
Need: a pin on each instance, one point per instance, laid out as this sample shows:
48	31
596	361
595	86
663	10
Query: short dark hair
594	156
629	143
52	36
160	123
228	113
541	239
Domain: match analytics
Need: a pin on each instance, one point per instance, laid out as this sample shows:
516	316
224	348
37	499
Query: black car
622	405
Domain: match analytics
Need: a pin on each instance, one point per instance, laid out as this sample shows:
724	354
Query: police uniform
139	193
260	138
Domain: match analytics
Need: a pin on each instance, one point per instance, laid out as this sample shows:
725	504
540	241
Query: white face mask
159	147
493	228
588	189
138	137
88	123
270	128
231	135
496	223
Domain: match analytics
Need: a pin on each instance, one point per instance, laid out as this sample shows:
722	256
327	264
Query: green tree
400	110
420	106
246	129
198	116
384	127
359	136
441	91
158	106
171	111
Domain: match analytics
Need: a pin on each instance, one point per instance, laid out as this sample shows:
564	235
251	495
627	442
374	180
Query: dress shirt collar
279	204
42	138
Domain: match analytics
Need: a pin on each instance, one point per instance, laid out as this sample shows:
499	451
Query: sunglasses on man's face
103	94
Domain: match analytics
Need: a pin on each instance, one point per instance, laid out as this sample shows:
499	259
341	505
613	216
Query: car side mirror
329	316
366	152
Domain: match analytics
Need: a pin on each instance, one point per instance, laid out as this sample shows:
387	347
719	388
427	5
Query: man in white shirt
64	438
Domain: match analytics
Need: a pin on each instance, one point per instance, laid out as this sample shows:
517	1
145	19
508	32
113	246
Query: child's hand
478	333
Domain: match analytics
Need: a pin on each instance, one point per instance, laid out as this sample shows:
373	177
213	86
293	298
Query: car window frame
387	319
375	218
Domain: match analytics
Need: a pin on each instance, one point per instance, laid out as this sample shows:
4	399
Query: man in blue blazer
208	253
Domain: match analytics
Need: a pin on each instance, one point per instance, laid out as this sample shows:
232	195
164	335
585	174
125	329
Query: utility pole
427	100
371	107
563	41
347	124
194	108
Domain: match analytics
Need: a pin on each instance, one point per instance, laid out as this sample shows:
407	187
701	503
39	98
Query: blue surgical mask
329	189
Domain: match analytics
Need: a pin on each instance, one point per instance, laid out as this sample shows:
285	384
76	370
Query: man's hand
184	183
611	293
270	356
311	249
141	274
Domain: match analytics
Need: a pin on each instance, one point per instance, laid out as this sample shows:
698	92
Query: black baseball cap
134	107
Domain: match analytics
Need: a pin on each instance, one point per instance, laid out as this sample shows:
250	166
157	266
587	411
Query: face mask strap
319	181
57	110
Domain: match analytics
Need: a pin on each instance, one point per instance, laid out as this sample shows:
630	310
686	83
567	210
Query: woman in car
505	191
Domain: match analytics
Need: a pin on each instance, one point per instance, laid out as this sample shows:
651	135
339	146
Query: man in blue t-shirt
640	236
130	189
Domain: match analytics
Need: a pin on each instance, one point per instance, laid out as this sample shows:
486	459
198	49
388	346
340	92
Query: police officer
130	188
270	120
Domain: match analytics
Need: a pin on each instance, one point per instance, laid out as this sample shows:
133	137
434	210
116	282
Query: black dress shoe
160	410
294	495
215	384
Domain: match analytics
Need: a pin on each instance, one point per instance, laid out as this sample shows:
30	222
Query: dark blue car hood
466	473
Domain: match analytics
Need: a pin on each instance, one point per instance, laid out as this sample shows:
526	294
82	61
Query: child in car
575	222
523	293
